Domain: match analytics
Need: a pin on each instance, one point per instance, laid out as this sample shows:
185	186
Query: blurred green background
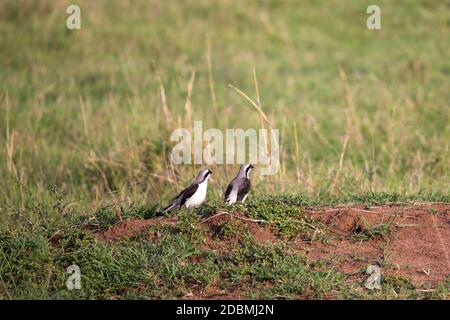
87	114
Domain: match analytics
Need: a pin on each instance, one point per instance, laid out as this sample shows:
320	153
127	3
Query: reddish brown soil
130	228
416	245
261	233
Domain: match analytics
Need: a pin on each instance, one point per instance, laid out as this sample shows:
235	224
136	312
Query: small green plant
287	218
367	232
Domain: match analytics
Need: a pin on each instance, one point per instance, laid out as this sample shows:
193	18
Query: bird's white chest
198	197
232	198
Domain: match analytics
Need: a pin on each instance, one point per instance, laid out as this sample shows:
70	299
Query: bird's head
245	169
204	175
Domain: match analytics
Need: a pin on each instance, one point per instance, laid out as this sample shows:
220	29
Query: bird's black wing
179	195
178	201
188	192
244	188
228	191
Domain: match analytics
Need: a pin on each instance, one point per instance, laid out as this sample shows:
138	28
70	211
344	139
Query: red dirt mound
408	240
215	240
261	232
130	228
416	246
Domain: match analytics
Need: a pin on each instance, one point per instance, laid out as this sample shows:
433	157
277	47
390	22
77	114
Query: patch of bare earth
260	233
415	243
131	228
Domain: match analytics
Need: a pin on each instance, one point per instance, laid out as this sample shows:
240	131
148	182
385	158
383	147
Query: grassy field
86	118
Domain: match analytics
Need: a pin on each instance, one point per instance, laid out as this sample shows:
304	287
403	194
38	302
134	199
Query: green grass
176	264
84	132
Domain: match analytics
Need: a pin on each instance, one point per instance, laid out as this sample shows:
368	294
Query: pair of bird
194	195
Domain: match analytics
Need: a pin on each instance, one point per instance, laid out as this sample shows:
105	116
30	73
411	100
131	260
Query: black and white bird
194	195
240	186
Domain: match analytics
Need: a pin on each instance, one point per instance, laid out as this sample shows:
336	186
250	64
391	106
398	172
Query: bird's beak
252	166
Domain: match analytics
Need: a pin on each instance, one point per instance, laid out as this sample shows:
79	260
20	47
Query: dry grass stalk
188	102
166	111
210	77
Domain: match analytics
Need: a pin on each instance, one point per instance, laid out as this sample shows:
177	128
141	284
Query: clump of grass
397	283
232	229
208	209
276	273
381	198
366	232
189	225
106	217
287	218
